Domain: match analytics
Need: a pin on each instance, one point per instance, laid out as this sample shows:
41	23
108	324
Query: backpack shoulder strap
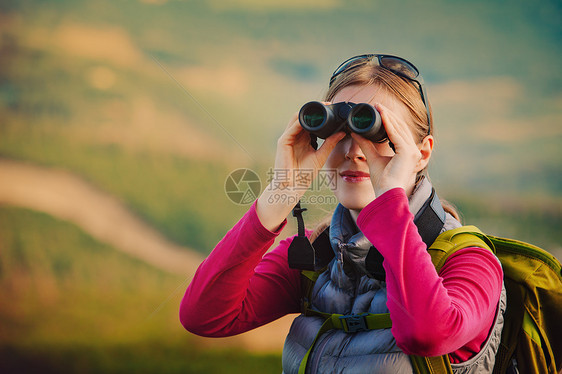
431	365
308	279
323	256
451	241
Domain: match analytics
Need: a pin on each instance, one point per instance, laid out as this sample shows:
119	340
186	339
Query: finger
388	120
397	130
400	126
328	146
292	121
292	131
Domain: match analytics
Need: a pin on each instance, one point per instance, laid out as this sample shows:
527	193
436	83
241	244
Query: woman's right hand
294	153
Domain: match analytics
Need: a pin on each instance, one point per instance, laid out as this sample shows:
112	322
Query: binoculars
324	120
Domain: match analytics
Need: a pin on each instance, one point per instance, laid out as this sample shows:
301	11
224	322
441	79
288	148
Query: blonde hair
407	92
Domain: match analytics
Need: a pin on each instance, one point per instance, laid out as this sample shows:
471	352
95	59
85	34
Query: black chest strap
304	255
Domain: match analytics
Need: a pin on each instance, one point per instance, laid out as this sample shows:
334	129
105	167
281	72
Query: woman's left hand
388	172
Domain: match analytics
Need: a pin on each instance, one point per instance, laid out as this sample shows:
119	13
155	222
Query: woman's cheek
335	158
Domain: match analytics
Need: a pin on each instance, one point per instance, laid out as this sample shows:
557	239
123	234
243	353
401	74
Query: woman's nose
353	151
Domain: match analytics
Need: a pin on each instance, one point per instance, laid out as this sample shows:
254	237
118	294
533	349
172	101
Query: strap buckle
354	322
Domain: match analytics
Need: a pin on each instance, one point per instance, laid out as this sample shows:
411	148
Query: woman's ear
425	147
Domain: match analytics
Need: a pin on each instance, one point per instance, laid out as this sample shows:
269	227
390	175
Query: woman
380	190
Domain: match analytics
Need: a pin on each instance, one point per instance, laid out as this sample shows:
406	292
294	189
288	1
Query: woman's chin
356	197
356	203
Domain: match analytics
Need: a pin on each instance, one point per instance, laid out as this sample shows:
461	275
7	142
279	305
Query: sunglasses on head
395	64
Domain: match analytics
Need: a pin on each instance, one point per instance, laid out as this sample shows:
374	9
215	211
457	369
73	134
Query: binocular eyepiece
324	120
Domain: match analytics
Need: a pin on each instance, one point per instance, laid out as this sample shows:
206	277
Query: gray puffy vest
344	288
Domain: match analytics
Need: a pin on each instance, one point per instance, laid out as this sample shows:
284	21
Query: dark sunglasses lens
400	66
347	64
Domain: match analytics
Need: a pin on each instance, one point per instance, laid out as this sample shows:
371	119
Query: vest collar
351	246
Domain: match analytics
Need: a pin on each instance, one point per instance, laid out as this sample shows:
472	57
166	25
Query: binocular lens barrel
324	120
363	118
319	119
313	115
366	121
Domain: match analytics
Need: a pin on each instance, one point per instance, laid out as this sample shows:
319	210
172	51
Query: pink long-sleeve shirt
238	288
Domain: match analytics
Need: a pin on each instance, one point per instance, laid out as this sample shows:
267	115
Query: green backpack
531	335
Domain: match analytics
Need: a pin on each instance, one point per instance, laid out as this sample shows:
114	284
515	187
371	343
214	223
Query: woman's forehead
358	94
371	94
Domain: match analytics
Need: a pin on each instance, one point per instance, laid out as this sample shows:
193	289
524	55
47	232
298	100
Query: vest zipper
339	263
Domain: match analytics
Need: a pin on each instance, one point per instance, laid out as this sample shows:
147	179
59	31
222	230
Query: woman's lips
355	176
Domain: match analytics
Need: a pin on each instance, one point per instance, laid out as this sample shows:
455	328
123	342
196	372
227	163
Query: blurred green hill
69	304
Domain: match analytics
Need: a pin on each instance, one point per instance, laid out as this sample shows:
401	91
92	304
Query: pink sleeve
431	314
237	288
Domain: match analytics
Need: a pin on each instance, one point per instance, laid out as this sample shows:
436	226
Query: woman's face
354	188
